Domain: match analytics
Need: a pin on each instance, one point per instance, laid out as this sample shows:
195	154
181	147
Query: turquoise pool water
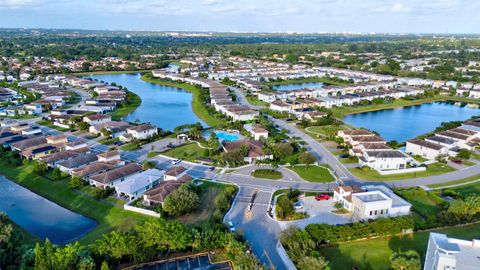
228	137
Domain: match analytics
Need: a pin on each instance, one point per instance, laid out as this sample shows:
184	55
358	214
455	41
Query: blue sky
397	16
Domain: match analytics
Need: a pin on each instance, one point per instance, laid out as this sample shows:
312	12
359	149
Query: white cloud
20	3
400	7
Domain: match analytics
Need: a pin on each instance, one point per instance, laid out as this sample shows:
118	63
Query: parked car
457	161
298	205
212	168
344	155
322	197
231	228
176	161
339	147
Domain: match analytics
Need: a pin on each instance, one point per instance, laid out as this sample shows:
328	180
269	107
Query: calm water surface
164	106
298	86
40	216
405	123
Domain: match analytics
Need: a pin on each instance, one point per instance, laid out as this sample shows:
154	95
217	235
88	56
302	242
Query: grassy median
373	175
313	173
267	174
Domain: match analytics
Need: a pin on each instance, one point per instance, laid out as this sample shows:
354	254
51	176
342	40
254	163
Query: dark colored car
344	155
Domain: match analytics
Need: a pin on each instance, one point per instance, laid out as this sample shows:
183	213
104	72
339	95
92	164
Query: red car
322	197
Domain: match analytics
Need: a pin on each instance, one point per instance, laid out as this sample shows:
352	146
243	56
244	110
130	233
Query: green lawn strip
198	107
267	174
130	147
152	154
421	201
349	160
375	254
373	175
456	182
476	156
51	125
133	101
473	188
255	101
313	173
108	141
108	216
468	163
189	152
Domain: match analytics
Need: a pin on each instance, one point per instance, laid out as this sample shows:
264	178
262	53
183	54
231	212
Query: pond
405	123
163	106
40	216
297	86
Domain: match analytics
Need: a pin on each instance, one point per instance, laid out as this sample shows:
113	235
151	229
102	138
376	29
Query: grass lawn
51	125
152	154
349	160
189	152
313	173
130	147
433	169
475	156
133	101
255	101
198	107
108	141
203	216
268	174
420	201
468	189
324	131
419	158
375	254
456	182
108	216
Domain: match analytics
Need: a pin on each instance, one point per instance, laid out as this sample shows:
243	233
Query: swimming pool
226	136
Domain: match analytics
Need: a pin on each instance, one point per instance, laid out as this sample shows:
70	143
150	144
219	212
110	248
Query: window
370	213
381	212
375	212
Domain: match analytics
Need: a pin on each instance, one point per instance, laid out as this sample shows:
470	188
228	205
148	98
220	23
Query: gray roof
386	154
79	161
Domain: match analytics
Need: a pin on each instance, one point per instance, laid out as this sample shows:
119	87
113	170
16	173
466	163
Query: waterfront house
158	194
77	162
134	186
52	159
140	132
384	160
94	169
426	149
115	175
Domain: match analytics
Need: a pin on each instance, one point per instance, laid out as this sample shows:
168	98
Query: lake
405	123
297	86
163	106
40	216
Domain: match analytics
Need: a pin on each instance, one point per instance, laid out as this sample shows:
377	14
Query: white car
231	228
176	161
298	205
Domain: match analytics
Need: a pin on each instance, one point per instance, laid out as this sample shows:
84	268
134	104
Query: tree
76	182
56	174
213	142
181	201
409	260
283	150
464	154
307	159
148	165
40	168
104	266
465	209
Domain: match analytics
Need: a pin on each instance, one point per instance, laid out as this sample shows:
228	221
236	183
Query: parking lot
318	212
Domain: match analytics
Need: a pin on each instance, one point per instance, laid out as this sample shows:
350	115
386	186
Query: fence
147	212
407	170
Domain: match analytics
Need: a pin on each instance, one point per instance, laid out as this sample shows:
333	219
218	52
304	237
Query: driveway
318	212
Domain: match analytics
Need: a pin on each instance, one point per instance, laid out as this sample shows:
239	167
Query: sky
307	16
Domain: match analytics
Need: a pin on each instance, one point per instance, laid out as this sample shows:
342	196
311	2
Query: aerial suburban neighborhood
253	149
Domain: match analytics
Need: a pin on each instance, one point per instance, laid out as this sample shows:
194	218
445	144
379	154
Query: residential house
445	253
254	150
77	162
426	149
177	173
371	202
257	132
115	175
158	194
135	185
384	160
140	132
96	119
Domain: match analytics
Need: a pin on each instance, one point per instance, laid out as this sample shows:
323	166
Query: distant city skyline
309	16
